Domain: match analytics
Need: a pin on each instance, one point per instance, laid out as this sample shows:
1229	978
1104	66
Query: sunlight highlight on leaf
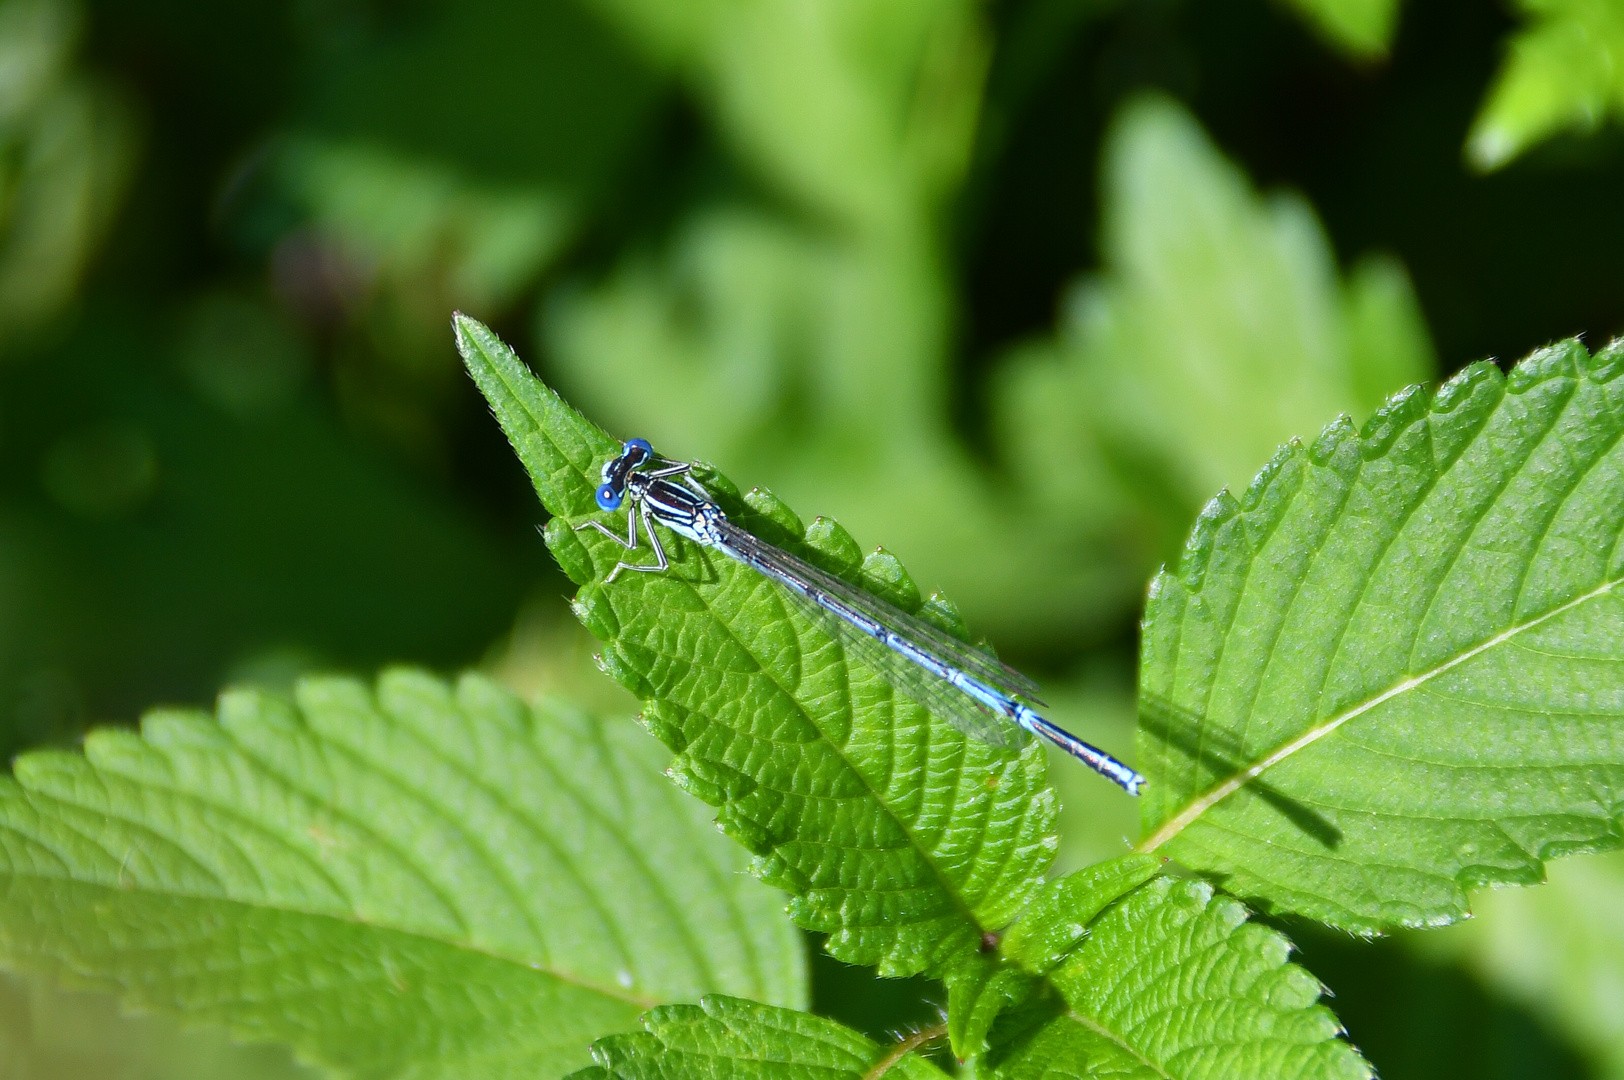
1391	670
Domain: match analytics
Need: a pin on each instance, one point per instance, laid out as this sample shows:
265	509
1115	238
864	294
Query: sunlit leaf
912	848
419	880
1218	328
898	837
1173	983
1390	670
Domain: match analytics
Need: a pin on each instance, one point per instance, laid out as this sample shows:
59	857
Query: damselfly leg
630	542
969	688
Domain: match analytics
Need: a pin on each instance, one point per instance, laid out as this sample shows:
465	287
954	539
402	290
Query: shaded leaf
1388	344
51	1034
417	224
1362	28
1058	917
724	1036
861	112
1218	329
1558	950
69	144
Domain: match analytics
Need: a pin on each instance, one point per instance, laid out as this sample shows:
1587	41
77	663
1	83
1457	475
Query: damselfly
971	689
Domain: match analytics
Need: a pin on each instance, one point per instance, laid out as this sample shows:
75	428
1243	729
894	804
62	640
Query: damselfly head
633	453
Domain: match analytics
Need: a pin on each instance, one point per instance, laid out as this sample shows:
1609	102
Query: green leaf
1388	345
52	1034
1218	329
1563	71
977	995
819	356
1558	950
898	837
909	846
863	113
1362	28
783	353
1173	983
556	445
422	880
723	1036
1391	670
1058	917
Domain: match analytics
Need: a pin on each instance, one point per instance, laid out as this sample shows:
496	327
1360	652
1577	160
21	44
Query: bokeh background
1009	287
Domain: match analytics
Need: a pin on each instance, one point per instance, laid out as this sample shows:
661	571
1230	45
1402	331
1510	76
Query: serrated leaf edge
1225	788
1535	368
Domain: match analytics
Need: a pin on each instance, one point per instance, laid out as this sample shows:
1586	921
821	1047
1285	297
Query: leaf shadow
1221	754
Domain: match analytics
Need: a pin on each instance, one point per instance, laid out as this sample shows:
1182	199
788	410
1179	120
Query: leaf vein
1199	805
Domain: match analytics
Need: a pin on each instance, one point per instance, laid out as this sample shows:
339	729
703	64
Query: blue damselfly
971	689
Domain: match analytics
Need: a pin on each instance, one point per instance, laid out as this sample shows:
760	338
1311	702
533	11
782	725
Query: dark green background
377	515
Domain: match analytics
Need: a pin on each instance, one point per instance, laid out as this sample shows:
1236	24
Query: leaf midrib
952	892
615	993
1209	798
879	796
1104	1032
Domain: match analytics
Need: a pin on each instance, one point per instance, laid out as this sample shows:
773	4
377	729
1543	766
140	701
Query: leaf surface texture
1173	983
418	880
1394	668
897	836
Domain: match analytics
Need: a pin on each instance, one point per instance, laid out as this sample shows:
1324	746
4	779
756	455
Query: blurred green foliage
50	1034
67	139
1557	950
1362	27
1563	71
1010	287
